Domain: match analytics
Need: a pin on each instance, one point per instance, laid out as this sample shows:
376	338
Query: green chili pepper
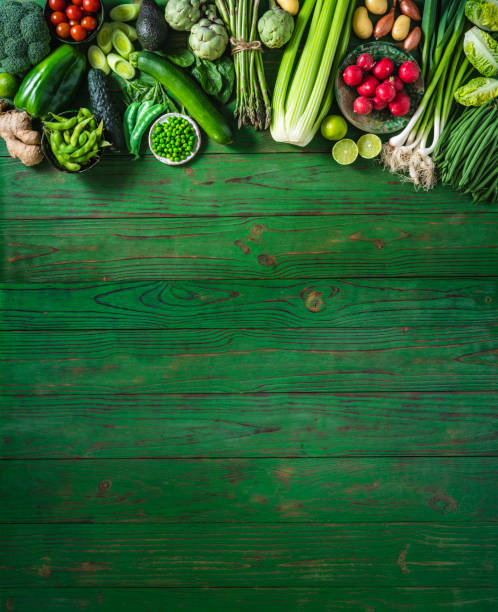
78	129
141	125
61	125
129	121
144	107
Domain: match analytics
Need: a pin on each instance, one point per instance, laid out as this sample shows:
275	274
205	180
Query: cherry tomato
74	12
63	29
78	33
92	6
57	5
72	23
57	17
89	23
78	2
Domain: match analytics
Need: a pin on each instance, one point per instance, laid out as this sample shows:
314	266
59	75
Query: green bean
78	129
67	137
92	139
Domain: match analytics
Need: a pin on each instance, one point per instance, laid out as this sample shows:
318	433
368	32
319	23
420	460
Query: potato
377	7
401	27
362	26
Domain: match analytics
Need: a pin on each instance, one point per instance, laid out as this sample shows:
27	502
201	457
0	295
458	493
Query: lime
345	151
369	146
8	85
334	127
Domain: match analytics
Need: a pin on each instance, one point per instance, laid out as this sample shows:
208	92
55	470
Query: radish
386	91
397	82
408	72
368	86
365	62
378	104
363	105
383	68
400	106
352	75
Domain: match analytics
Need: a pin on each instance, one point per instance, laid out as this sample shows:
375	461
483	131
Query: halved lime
369	146
345	151
334	127
8	85
125	12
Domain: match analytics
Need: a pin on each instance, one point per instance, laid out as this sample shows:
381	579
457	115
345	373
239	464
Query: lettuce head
483	13
477	91
481	50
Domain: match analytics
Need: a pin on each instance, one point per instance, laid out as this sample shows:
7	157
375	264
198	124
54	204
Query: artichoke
275	28
183	14
208	39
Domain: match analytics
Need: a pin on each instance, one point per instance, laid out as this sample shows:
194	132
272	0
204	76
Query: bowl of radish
378	87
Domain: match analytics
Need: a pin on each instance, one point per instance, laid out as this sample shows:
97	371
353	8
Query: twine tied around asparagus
239	45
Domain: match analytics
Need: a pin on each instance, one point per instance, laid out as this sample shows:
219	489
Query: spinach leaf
226	69
215	82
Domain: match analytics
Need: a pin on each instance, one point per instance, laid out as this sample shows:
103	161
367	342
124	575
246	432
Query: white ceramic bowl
165	160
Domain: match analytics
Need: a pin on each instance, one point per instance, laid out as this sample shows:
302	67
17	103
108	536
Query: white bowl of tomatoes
74	21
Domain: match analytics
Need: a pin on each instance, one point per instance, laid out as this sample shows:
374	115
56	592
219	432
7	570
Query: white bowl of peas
174	139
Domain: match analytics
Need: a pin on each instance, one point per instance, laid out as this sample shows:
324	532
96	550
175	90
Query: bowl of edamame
174	139
72	141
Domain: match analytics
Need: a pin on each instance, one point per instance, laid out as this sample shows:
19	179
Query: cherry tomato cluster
381	88
75	18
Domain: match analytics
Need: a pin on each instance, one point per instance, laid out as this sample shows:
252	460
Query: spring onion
444	67
305	82
467	152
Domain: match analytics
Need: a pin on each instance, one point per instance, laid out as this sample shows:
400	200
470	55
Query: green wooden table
261	381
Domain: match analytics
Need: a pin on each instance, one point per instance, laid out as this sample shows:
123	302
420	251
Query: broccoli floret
33	28
2	51
15	46
10	29
38	51
16	65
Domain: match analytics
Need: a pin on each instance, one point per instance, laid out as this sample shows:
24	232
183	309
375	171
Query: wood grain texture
249	490
221	185
247	600
281	247
383	555
251	360
263	304
278	425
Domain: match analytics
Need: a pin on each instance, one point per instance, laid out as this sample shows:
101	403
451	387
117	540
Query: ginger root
22	141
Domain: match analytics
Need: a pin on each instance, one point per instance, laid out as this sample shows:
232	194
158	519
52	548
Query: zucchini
187	92
104	109
104	38
97	59
120	66
129	30
122	43
125	12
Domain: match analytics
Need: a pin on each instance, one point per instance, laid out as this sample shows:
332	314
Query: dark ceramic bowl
377	122
47	152
100	18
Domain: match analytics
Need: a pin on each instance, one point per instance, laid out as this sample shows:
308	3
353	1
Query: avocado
151	26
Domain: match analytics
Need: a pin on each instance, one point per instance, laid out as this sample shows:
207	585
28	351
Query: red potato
368	86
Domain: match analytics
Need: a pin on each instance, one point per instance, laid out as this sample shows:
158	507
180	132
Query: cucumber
125	12
129	30
187	92
97	59
104	38
122	43
104	109
120	66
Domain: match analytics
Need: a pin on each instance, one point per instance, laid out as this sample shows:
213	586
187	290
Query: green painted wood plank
263	304
249	490
221	185
252	360
247	600
284	425
280	247
383	555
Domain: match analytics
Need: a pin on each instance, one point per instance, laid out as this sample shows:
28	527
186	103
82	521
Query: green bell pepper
52	84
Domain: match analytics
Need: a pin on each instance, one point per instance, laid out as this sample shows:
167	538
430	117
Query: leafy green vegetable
477	91
481	50
141	91
216	78
184	58
227	70
483	13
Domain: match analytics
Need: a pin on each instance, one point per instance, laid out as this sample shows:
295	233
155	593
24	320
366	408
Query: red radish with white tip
352	75
368	86
383	68
363	105
386	91
408	72
397	82
365	61
400	106
379	104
